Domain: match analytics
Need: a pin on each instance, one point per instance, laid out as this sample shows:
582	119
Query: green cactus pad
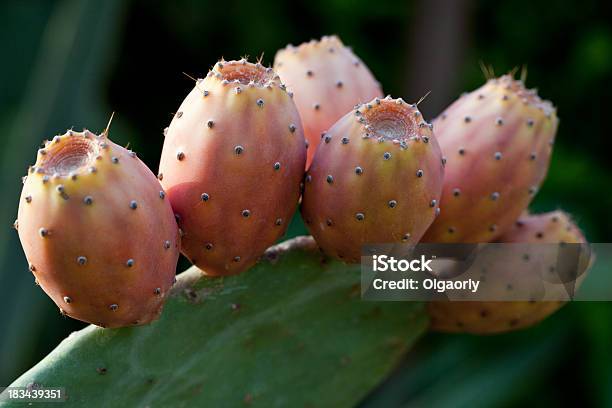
290	331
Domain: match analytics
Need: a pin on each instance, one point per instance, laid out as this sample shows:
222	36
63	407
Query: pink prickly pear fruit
376	178
97	230
496	317
498	141
232	164
328	81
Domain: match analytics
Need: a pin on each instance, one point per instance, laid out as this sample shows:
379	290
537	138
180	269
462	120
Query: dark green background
71	63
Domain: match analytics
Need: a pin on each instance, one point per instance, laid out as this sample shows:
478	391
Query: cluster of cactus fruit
249	144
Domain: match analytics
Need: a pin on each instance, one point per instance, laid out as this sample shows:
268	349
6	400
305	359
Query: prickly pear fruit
497	140
376	178
232	164
97	230
328	81
495	317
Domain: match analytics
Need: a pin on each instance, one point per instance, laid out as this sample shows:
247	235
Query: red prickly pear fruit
98	233
232	164
497	141
496	317
376	178
328	80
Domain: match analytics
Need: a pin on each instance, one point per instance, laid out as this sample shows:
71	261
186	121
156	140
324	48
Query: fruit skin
497	141
232	164
328	81
497	317
376	178
98	233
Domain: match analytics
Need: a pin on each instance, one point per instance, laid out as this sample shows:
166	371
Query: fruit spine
495	317
83	195
328	81
232	164
498	141
376	178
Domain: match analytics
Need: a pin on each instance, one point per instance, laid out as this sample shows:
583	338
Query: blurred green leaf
595	318
474	371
